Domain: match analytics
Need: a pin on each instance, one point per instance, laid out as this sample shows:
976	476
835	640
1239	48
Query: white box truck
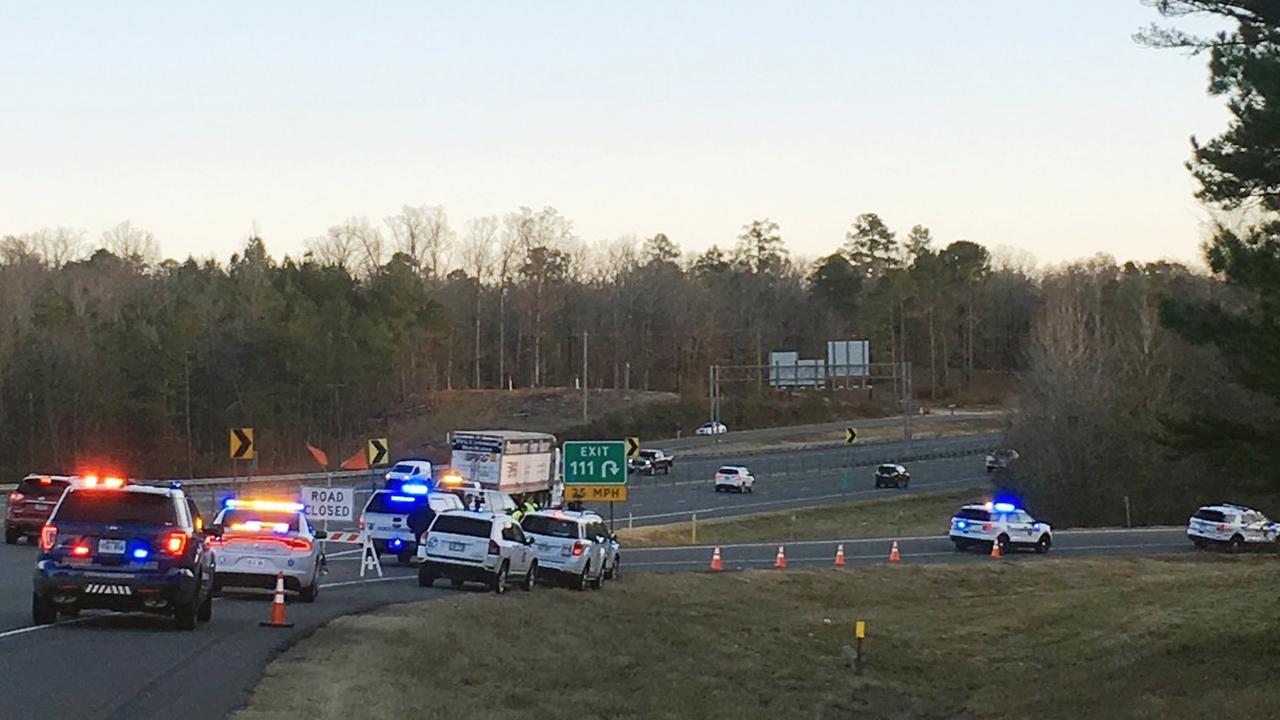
521	464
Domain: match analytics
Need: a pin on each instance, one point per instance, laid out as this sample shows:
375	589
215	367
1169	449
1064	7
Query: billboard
848	359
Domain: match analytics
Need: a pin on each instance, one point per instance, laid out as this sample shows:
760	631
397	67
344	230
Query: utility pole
584	377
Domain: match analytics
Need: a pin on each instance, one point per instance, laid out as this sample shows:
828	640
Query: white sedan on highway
265	538
735	478
711	428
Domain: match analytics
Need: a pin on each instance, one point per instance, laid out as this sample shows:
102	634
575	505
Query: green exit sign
595	462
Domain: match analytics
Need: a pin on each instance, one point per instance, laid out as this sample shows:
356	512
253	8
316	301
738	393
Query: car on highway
735	478
651	462
394	518
262	539
408	470
711	428
1001	459
1233	527
892	475
479	547
573	547
132	549
999	522
30	504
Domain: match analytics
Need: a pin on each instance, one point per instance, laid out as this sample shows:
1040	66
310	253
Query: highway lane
931	549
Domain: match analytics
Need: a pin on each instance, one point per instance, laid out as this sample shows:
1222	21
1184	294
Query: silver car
478	546
573	546
263	538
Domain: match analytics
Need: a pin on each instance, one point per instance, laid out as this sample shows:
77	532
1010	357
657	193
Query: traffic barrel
277	606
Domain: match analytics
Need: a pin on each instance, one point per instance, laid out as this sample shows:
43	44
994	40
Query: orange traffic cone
894	555
716	564
277	606
995	549
781	560
840	555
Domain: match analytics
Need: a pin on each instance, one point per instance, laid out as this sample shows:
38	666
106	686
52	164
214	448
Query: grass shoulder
1051	639
908	515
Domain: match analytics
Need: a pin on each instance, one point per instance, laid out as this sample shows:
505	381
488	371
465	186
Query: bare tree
131	243
478	254
423	234
517	228
356	245
59	246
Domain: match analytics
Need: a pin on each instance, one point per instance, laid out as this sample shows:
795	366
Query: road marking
347	583
33	628
881	556
913	538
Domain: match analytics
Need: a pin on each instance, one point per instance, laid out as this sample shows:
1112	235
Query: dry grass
1062	639
925	514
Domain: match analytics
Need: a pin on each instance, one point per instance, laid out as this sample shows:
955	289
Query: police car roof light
1004	507
414	489
263	505
403	499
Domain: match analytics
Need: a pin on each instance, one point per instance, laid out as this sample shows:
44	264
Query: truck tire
499	581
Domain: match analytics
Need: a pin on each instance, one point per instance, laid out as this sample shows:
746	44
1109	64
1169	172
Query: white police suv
389	517
999	522
572	546
1231	526
478	546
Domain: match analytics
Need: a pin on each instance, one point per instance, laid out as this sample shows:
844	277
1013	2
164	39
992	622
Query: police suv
572	546
265	538
389	517
478	546
999	522
131	548
1231	526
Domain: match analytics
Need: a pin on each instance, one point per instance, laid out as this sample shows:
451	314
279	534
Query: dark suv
134	548
30	504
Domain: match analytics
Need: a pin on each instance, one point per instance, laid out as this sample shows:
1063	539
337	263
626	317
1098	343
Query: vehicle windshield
405	469
648	454
42	488
461	525
728	471
1208	515
554	527
253	521
888	468
974	514
392	502
106	507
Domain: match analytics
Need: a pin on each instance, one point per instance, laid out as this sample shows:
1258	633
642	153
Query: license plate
42	506
457	546
255	563
113	547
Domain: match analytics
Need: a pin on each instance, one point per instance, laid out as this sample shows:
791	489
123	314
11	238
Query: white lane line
33	628
387	578
913	538
883	557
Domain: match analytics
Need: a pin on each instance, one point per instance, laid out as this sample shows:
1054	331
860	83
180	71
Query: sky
1034	125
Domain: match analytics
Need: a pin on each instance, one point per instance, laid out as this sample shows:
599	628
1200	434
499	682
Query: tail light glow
80	550
15	497
48	536
578	548
493	547
175	543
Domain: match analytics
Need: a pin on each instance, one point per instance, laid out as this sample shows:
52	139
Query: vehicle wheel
1005	547
43	612
184	616
717	488
1200	544
499	581
457	583
1042	545
69	611
308	593
584	580
11	536
405	557
650	472
666	470
961	545
204	613
530	577
599	581
426	577
1235	545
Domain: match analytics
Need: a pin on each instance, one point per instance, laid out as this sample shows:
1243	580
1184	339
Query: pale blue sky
1034	124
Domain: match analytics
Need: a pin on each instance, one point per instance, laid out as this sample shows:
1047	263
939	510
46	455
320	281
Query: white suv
1005	523
479	546
1231	525
574	546
735	478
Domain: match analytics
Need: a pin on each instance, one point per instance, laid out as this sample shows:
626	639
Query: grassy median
1046	639
925	514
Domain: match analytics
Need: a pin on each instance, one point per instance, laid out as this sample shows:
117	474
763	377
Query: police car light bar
414	489
404	499
259	526
263	505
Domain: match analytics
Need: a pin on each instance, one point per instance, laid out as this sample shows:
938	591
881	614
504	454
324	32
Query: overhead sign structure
595	493
329	503
378	451
595	462
633	447
850	435
242	443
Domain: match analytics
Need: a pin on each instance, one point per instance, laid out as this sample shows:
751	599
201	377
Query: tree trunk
502	336
933	373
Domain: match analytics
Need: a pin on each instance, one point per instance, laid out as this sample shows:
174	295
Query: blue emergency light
414	489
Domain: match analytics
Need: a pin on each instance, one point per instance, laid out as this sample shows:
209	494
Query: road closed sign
329	503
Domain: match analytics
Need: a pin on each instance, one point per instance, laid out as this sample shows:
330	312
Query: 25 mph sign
329	503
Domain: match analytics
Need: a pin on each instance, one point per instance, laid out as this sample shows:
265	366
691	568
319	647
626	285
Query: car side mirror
320	534
528	540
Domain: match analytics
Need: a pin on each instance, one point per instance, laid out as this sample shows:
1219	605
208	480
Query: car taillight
15	496
1222	528
48	536
986	527
493	547
175	543
80	550
361	523
298	544
578	548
